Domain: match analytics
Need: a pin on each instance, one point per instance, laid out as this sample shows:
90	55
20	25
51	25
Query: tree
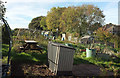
5	35
43	23
2	9
53	18
35	23
81	19
103	35
116	40
95	27
68	20
90	18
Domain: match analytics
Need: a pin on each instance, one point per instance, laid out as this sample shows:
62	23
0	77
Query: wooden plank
30	41
21	47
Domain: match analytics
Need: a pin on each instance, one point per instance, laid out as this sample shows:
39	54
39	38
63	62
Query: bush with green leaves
5	49
5	35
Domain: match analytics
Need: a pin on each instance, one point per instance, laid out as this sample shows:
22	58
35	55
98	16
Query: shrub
5	35
118	54
5	49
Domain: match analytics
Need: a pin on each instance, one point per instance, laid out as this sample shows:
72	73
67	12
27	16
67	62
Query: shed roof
86	36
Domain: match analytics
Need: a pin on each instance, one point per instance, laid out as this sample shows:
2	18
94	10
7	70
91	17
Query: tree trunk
106	44
78	39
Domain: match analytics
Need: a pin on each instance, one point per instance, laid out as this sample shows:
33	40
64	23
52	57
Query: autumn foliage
103	35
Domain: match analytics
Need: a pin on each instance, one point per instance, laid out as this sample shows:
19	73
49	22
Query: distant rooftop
21	28
117	25
86	36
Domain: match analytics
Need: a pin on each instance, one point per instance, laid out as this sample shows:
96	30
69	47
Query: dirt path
89	70
19	69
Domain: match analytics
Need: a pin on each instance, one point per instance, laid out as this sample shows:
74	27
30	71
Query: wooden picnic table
31	45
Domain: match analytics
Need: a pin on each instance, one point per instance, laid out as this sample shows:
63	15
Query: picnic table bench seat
37	48
21	47
31	45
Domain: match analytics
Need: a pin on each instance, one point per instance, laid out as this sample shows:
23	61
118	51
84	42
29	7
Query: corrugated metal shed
60	57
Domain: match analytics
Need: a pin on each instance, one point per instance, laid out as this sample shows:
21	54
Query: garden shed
60	58
86	39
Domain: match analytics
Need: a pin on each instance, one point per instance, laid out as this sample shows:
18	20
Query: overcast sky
20	12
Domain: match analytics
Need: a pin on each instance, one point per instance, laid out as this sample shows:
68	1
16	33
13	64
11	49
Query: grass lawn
79	58
111	64
30	56
34	56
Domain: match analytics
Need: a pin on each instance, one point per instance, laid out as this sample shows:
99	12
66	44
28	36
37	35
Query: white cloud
26	11
20	12
111	13
21	15
61	0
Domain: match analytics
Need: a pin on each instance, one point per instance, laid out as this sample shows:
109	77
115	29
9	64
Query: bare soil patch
89	70
19	69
